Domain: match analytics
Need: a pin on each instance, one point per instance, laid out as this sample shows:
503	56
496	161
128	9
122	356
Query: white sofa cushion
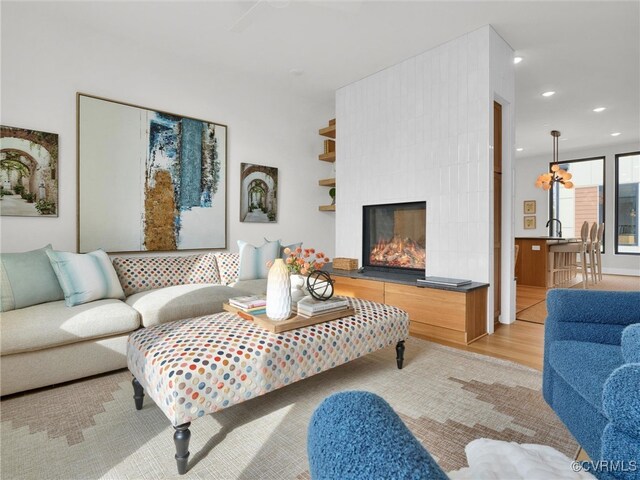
52	324
178	302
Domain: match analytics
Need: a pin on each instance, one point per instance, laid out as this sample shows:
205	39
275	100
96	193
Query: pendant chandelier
545	181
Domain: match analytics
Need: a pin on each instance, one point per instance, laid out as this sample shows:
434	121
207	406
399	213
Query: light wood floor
520	342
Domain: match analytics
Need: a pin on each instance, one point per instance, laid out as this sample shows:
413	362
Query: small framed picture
529	207
529	222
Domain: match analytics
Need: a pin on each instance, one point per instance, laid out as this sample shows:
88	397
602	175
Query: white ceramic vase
298	288
278	291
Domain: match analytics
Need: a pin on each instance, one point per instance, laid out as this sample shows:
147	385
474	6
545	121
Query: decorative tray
293	322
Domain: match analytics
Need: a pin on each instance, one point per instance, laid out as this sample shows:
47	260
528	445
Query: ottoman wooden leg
181	438
138	393
400	353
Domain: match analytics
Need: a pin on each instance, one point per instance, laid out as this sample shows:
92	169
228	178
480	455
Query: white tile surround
422	130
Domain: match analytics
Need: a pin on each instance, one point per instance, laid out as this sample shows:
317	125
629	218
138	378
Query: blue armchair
591	375
358	436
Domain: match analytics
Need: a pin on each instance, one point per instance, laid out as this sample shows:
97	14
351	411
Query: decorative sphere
320	285
555	168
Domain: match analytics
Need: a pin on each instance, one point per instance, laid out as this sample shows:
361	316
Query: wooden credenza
455	316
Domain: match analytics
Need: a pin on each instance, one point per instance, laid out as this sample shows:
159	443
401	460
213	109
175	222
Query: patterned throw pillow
253	260
139	274
85	277
228	266
27	279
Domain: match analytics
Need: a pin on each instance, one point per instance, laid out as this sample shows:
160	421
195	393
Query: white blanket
497	460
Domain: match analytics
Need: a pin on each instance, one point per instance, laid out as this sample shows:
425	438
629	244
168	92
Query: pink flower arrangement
303	261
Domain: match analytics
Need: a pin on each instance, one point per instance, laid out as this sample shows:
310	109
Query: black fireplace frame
366	247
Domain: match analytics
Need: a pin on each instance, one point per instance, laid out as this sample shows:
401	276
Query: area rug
447	397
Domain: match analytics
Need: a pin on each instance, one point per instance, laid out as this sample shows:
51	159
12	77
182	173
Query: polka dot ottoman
201	365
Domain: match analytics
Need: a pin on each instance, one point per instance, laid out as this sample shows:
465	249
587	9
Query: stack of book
253	304
310	307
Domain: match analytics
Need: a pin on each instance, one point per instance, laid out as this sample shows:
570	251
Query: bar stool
593	246
566	259
562	262
598	251
584	263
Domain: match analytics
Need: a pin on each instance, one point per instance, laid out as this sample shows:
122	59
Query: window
627	202
583	202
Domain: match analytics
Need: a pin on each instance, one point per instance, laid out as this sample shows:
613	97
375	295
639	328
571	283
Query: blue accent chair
357	435
591	375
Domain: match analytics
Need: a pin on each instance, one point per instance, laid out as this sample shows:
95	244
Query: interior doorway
497	209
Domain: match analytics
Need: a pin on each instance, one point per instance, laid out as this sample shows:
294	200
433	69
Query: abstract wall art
149	180
28	173
258	193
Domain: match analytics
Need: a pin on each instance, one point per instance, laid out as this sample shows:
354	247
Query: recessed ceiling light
548	94
519	149
615	134
517	60
564	139
296	72
599	109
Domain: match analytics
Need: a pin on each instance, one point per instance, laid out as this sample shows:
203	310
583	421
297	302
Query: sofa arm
357	435
621	399
631	343
590	315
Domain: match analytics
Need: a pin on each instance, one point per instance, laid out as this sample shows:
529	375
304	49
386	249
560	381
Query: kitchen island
534	261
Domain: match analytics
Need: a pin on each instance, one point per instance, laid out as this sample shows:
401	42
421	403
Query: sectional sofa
49	343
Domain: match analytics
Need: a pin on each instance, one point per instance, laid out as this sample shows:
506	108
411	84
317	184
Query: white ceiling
586	51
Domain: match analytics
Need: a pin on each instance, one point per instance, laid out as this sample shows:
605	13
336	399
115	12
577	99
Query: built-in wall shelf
327	182
327	157
329	131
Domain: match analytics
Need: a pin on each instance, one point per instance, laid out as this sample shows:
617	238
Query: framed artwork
258	193
529	207
529	222
28	173
149	180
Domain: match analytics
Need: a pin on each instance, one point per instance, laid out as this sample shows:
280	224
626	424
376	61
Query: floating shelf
329	131
327	182
327	157
327	208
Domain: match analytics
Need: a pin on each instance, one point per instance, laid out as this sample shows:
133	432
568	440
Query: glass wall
627	203
583	202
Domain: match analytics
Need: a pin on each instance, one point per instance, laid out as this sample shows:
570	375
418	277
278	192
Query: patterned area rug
447	397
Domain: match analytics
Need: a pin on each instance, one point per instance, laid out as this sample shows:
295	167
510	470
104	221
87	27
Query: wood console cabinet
454	316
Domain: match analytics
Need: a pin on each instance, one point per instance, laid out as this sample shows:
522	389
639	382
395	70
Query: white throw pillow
253	260
85	277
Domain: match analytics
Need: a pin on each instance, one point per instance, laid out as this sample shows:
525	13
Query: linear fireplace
394	237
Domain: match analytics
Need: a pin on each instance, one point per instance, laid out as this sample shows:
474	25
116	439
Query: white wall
528	169
502	85
421	130
44	64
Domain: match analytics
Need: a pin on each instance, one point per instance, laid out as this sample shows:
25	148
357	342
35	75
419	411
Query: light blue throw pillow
253	260
28	279
85	277
291	247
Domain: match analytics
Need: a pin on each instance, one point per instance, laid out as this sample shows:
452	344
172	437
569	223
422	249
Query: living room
269	75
